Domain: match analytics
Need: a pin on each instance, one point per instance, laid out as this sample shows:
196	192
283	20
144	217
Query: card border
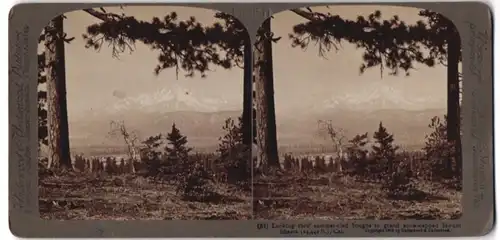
470	18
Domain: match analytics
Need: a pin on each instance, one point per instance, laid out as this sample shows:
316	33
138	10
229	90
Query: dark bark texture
247	95
267	154
453	112
58	133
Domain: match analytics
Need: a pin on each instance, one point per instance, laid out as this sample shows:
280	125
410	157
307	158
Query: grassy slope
77	196
344	198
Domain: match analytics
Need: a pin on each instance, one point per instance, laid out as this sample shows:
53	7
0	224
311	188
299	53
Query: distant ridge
204	128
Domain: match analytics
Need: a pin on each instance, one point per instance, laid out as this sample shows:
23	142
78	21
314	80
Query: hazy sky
95	80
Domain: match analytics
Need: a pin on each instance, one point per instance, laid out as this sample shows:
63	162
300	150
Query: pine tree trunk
267	154
453	112
57	114
247	95
247	103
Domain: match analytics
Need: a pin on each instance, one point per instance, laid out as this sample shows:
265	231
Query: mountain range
377	96
172	99
201	118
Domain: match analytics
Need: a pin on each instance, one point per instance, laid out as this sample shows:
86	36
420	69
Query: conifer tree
177	153
57	115
383	149
177	149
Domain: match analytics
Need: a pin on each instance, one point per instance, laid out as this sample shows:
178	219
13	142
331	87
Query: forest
162	177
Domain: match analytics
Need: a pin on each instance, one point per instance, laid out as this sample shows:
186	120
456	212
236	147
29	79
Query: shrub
111	167
306	165
79	162
401	184
234	154
288	163
439	150
197	185
357	152
123	166
319	165
150	156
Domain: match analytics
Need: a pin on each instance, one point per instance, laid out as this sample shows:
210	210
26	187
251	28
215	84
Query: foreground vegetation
376	182
169	182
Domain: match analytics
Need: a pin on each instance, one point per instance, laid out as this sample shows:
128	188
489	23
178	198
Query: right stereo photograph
357	115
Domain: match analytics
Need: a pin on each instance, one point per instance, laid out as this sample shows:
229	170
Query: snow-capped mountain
378	97
172	99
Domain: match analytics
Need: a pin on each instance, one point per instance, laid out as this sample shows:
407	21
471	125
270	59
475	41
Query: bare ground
343	197
91	197
129	197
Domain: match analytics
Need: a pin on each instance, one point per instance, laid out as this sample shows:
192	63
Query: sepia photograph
357	113
144	113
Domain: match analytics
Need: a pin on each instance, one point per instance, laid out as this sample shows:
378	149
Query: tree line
398	170
192	48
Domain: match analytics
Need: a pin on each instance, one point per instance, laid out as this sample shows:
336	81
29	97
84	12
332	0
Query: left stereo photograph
141	115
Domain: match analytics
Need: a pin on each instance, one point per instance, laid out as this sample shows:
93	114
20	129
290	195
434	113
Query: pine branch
391	44
184	45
